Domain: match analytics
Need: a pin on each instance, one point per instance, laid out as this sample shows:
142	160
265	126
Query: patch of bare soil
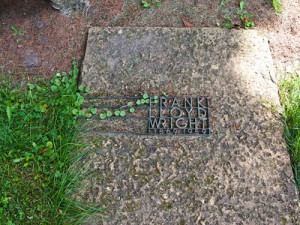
51	41
284	35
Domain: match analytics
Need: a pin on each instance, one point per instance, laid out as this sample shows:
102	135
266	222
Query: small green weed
277	6
17	32
39	151
222	2
147	4
145	99
245	16
229	22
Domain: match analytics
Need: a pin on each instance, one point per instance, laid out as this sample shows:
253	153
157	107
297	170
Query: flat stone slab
240	174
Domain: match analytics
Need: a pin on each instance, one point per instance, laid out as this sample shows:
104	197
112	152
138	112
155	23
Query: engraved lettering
175	103
193	121
152	101
164	122
203	111
157	122
182	125
183	116
188	102
173	114
163	101
199	100
189	110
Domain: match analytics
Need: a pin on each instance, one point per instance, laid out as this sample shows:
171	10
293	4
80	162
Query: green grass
290	101
40	154
277	5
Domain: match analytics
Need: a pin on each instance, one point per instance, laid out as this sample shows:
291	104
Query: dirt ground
51	41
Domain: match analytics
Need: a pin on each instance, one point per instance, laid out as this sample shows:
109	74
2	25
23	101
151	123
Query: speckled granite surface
238	175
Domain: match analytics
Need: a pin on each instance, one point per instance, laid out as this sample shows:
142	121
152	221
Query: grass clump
290	101
39	152
277	6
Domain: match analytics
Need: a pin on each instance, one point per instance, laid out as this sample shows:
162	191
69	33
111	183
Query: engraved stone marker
239	174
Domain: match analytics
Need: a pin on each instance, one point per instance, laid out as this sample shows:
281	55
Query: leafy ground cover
39	152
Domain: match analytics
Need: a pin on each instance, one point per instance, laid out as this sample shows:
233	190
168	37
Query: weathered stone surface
39	25
69	6
238	175
30	59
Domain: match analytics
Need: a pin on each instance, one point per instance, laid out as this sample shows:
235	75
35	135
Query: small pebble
39	25
44	39
165	196
30	61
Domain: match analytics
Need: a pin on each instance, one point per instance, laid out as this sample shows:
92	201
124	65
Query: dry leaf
235	127
41	152
186	22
